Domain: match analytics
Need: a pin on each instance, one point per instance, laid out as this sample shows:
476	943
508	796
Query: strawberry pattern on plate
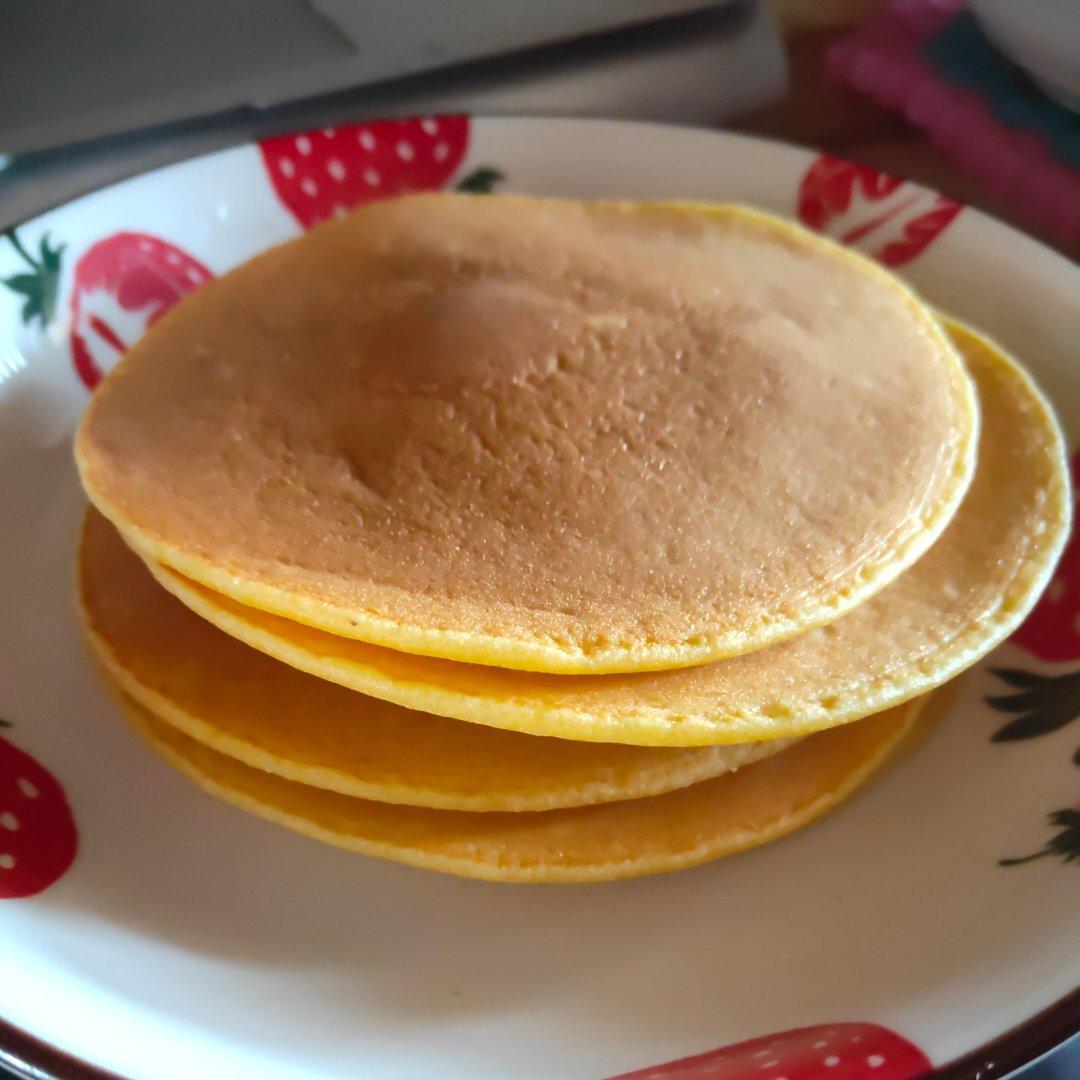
122	285
825	1052
888	218
318	174
38	837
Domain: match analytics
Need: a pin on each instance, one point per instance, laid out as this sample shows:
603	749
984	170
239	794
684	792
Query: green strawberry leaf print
1065	843
1043	703
39	285
1046	703
481	181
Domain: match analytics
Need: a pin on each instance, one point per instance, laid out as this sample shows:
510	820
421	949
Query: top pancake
962	598
540	434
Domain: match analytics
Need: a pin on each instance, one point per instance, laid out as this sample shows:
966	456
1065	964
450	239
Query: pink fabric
883	59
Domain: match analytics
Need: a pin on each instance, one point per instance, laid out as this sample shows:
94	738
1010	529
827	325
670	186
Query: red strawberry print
827	1052
318	174
889	219
121	286
38	838
1052	631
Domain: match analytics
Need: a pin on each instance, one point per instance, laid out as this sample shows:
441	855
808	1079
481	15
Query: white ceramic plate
188	940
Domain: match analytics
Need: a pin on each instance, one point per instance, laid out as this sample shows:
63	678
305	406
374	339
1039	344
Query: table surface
819	113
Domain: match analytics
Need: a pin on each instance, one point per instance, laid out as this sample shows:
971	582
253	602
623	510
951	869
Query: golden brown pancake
967	594
595	843
276	718
541	434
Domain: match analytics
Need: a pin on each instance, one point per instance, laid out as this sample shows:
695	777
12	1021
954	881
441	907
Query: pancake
540	434
595	843
276	718
965	596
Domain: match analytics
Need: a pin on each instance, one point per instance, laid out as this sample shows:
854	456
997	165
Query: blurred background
976	99
880	81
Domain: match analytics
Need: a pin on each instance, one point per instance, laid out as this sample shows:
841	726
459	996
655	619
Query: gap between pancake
271	716
601	843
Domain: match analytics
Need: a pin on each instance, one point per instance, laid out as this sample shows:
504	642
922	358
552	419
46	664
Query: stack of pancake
537	540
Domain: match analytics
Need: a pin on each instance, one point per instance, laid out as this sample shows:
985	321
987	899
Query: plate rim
985	218
1022	1045
1017	1048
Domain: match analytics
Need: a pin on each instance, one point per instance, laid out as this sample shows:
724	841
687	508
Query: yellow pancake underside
598	843
960	600
274	717
596	648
